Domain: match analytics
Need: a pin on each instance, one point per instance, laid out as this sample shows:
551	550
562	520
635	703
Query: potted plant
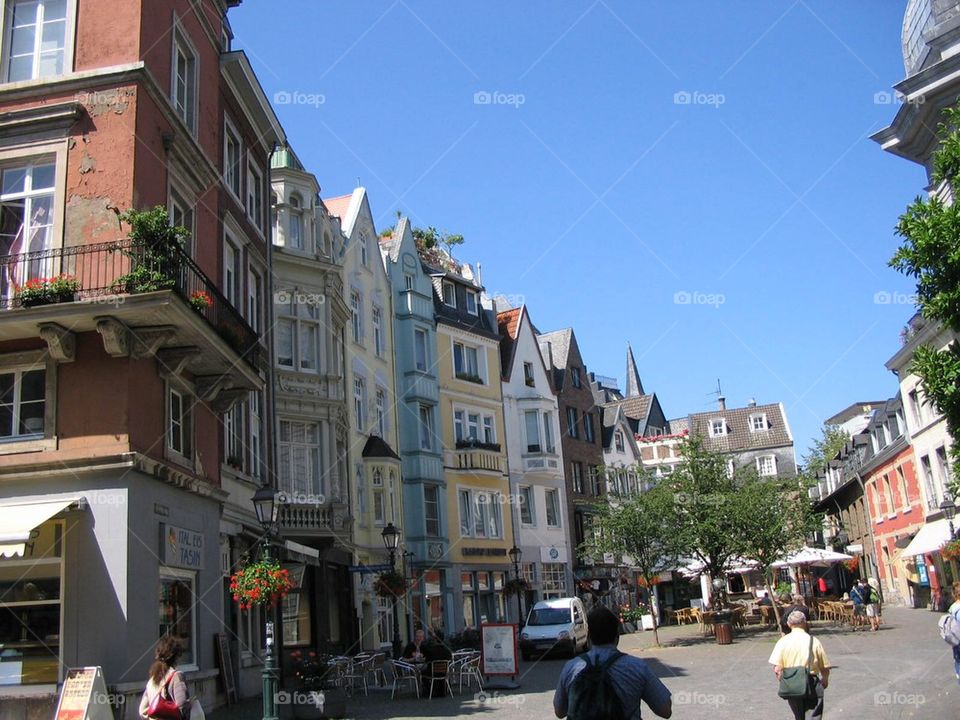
155	251
43	291
63	288
200	301
317	695
951	550
262	582
515	586
390	584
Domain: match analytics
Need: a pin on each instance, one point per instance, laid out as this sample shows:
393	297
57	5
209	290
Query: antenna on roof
358	181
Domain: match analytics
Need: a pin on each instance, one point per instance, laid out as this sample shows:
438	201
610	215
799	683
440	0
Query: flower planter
47	299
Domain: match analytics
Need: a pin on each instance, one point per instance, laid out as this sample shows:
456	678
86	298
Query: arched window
295	239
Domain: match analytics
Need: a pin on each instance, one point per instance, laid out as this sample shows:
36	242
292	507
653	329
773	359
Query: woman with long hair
165	681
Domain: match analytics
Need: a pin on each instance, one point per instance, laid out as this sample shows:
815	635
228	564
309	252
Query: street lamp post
516	554
949	509
391	541
267	508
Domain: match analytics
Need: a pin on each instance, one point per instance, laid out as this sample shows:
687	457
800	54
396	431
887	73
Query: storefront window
176	610
433	586
554	580
30	611
296	610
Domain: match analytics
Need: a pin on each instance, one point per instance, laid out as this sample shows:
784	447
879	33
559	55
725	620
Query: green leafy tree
824	448
704	511
634	527
930	253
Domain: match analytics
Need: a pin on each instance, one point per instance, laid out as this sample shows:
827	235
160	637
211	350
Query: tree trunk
773	599
656	636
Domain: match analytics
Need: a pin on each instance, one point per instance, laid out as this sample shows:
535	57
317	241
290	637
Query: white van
555	625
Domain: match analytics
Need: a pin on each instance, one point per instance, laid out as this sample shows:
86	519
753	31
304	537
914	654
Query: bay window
426	428
532	423
420	349
553	508
431	510
299	457
298	333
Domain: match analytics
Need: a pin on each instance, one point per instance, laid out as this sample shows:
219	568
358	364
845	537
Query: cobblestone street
903	671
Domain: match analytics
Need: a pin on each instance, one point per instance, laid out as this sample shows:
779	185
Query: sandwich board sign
84	696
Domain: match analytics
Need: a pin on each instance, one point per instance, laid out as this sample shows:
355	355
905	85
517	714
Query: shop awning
928	539
18	519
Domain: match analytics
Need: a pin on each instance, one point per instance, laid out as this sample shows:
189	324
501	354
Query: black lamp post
268	510
949	510
516	554
391	541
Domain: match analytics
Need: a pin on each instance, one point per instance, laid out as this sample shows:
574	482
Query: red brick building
114	388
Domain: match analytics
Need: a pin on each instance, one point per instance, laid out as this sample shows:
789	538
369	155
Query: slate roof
377	447
559	341
739	436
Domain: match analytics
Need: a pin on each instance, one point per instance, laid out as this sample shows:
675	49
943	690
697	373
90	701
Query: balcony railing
127	268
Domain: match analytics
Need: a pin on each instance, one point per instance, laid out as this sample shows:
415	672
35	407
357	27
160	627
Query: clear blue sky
599	197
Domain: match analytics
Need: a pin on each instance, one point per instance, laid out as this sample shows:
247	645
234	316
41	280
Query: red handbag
161	708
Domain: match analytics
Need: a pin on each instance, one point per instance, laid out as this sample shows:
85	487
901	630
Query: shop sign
553	555
84	696
181	548
489	551
498	649
922	570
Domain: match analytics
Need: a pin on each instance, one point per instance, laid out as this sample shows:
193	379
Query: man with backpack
605	684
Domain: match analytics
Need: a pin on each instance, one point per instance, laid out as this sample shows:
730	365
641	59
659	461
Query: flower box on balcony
46	291
470	377
477	445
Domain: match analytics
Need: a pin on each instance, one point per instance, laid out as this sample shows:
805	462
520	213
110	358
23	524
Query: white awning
929	538
18	519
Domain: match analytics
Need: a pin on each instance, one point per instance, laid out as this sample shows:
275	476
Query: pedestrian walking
796	603
950	628
165	697
859	595
604	683
802	669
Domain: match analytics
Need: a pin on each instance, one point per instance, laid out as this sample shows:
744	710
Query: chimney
752	402
722	402
479	274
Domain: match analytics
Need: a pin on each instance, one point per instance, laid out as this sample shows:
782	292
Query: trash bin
723	628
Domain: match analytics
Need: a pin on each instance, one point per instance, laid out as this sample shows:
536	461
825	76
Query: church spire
634	386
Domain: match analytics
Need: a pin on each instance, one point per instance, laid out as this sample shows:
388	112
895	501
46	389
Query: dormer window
471	302
449	294
758	422
718	427
618	441
528	374
575	377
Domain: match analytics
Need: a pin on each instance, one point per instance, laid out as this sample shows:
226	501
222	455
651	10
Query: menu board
498	649
84	696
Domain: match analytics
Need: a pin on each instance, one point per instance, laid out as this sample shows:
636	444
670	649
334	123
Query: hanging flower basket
260	583
515	586
390	584
200	301
852	564
951	550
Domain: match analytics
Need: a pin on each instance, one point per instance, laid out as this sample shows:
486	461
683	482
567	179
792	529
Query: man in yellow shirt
795	650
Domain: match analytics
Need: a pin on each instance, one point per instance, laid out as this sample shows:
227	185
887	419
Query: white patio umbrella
813	557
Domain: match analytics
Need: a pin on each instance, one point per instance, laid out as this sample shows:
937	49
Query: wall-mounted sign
181	548
492	551
553	554
922	570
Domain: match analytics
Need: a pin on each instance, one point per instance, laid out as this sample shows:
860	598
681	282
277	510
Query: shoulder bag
799	682
162	708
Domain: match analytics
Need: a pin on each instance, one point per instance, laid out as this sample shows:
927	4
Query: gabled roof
390	244
377	447
339	207
739	435
559	346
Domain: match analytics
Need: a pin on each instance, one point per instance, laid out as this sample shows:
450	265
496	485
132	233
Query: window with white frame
22	403
426	427
431	510
767	465
525	498
299	457
480	515
618	441
449	294
531	422
255	194
379	511
179	423
255	422
27	191
718	426
381	412
359	402
361	483
36	34
181	214
471	302
553	508
254	299
943	467
408	281
466	362
420	349
932	492
377	316
295	222
231	271
528	378
576	475
183	90
232	158
473	426
548	445
758	422
553	580
234	431
357	317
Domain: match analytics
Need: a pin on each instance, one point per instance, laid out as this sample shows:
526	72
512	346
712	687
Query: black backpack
593	694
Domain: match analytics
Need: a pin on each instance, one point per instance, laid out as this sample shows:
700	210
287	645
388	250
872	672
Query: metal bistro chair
439	672
375	669
405	673
469	668
356	672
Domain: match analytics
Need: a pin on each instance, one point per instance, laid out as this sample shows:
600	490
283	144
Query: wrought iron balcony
113	270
